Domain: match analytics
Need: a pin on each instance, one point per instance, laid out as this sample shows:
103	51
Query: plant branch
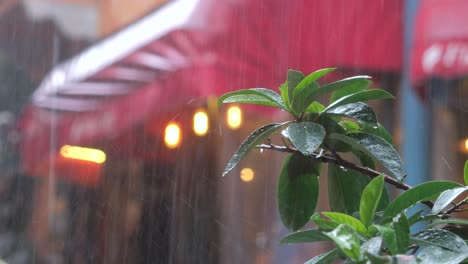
341	162
456	207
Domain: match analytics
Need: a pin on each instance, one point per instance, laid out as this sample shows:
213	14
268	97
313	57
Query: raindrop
261	150
343	168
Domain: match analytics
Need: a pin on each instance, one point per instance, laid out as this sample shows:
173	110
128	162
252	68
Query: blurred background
112	144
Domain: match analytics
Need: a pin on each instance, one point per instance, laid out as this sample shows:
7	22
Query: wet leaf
350	126
310	235
415	217
325	258
323	224
376	129
298	190
306	136
250	142
455	221
294	78
346	238
361	96
372	246
304	91
258	96
284	93
331	126
345	189
348	86
433	254
440	238
377	148
357	110
315	107
446	197
370	199
402	233
416	194
388	235
347	219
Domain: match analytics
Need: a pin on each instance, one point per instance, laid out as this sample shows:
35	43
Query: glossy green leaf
361	96
376	129
388	235
370	199
349	86
455	221
465	173
447	197
347	219
350	126
323	224
306	136
250	142
440	238
303	94
416	194
257	96
415	217
315	107
294	78
359	110
310	235
377	148
434	255
298	190
284	93
325	258
372	246
346	238
331	126
402	233
345	189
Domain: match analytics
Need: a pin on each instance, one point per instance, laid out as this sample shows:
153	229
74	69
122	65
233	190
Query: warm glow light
172	135
466	144
200	123
247	174
81	153
234	117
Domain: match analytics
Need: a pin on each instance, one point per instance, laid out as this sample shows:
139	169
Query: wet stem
336	159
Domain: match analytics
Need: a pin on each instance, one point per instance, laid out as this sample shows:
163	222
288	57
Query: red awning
441	40
192	48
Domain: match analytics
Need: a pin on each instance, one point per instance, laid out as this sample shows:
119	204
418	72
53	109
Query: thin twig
346	164
456	207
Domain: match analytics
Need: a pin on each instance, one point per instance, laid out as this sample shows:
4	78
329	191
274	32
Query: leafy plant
363	224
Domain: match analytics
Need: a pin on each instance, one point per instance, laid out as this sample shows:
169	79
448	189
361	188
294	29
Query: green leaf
402	233
350	126
362	96
370	199
349	86
388	235
465	173
375	147
357	110
250	142
325	258
440	238
415	217
433	254
315	107
347	219
294	78
372	246
455	221
416	194
376	259
446	197
323	224
345	189
331	126
346	238
304	91
306	136
376	129
310	235
257	96
283	89
298	190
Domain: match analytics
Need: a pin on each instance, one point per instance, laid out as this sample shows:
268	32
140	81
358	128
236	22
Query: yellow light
81	153
200	123
247	174
234	117
172	135
466	144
